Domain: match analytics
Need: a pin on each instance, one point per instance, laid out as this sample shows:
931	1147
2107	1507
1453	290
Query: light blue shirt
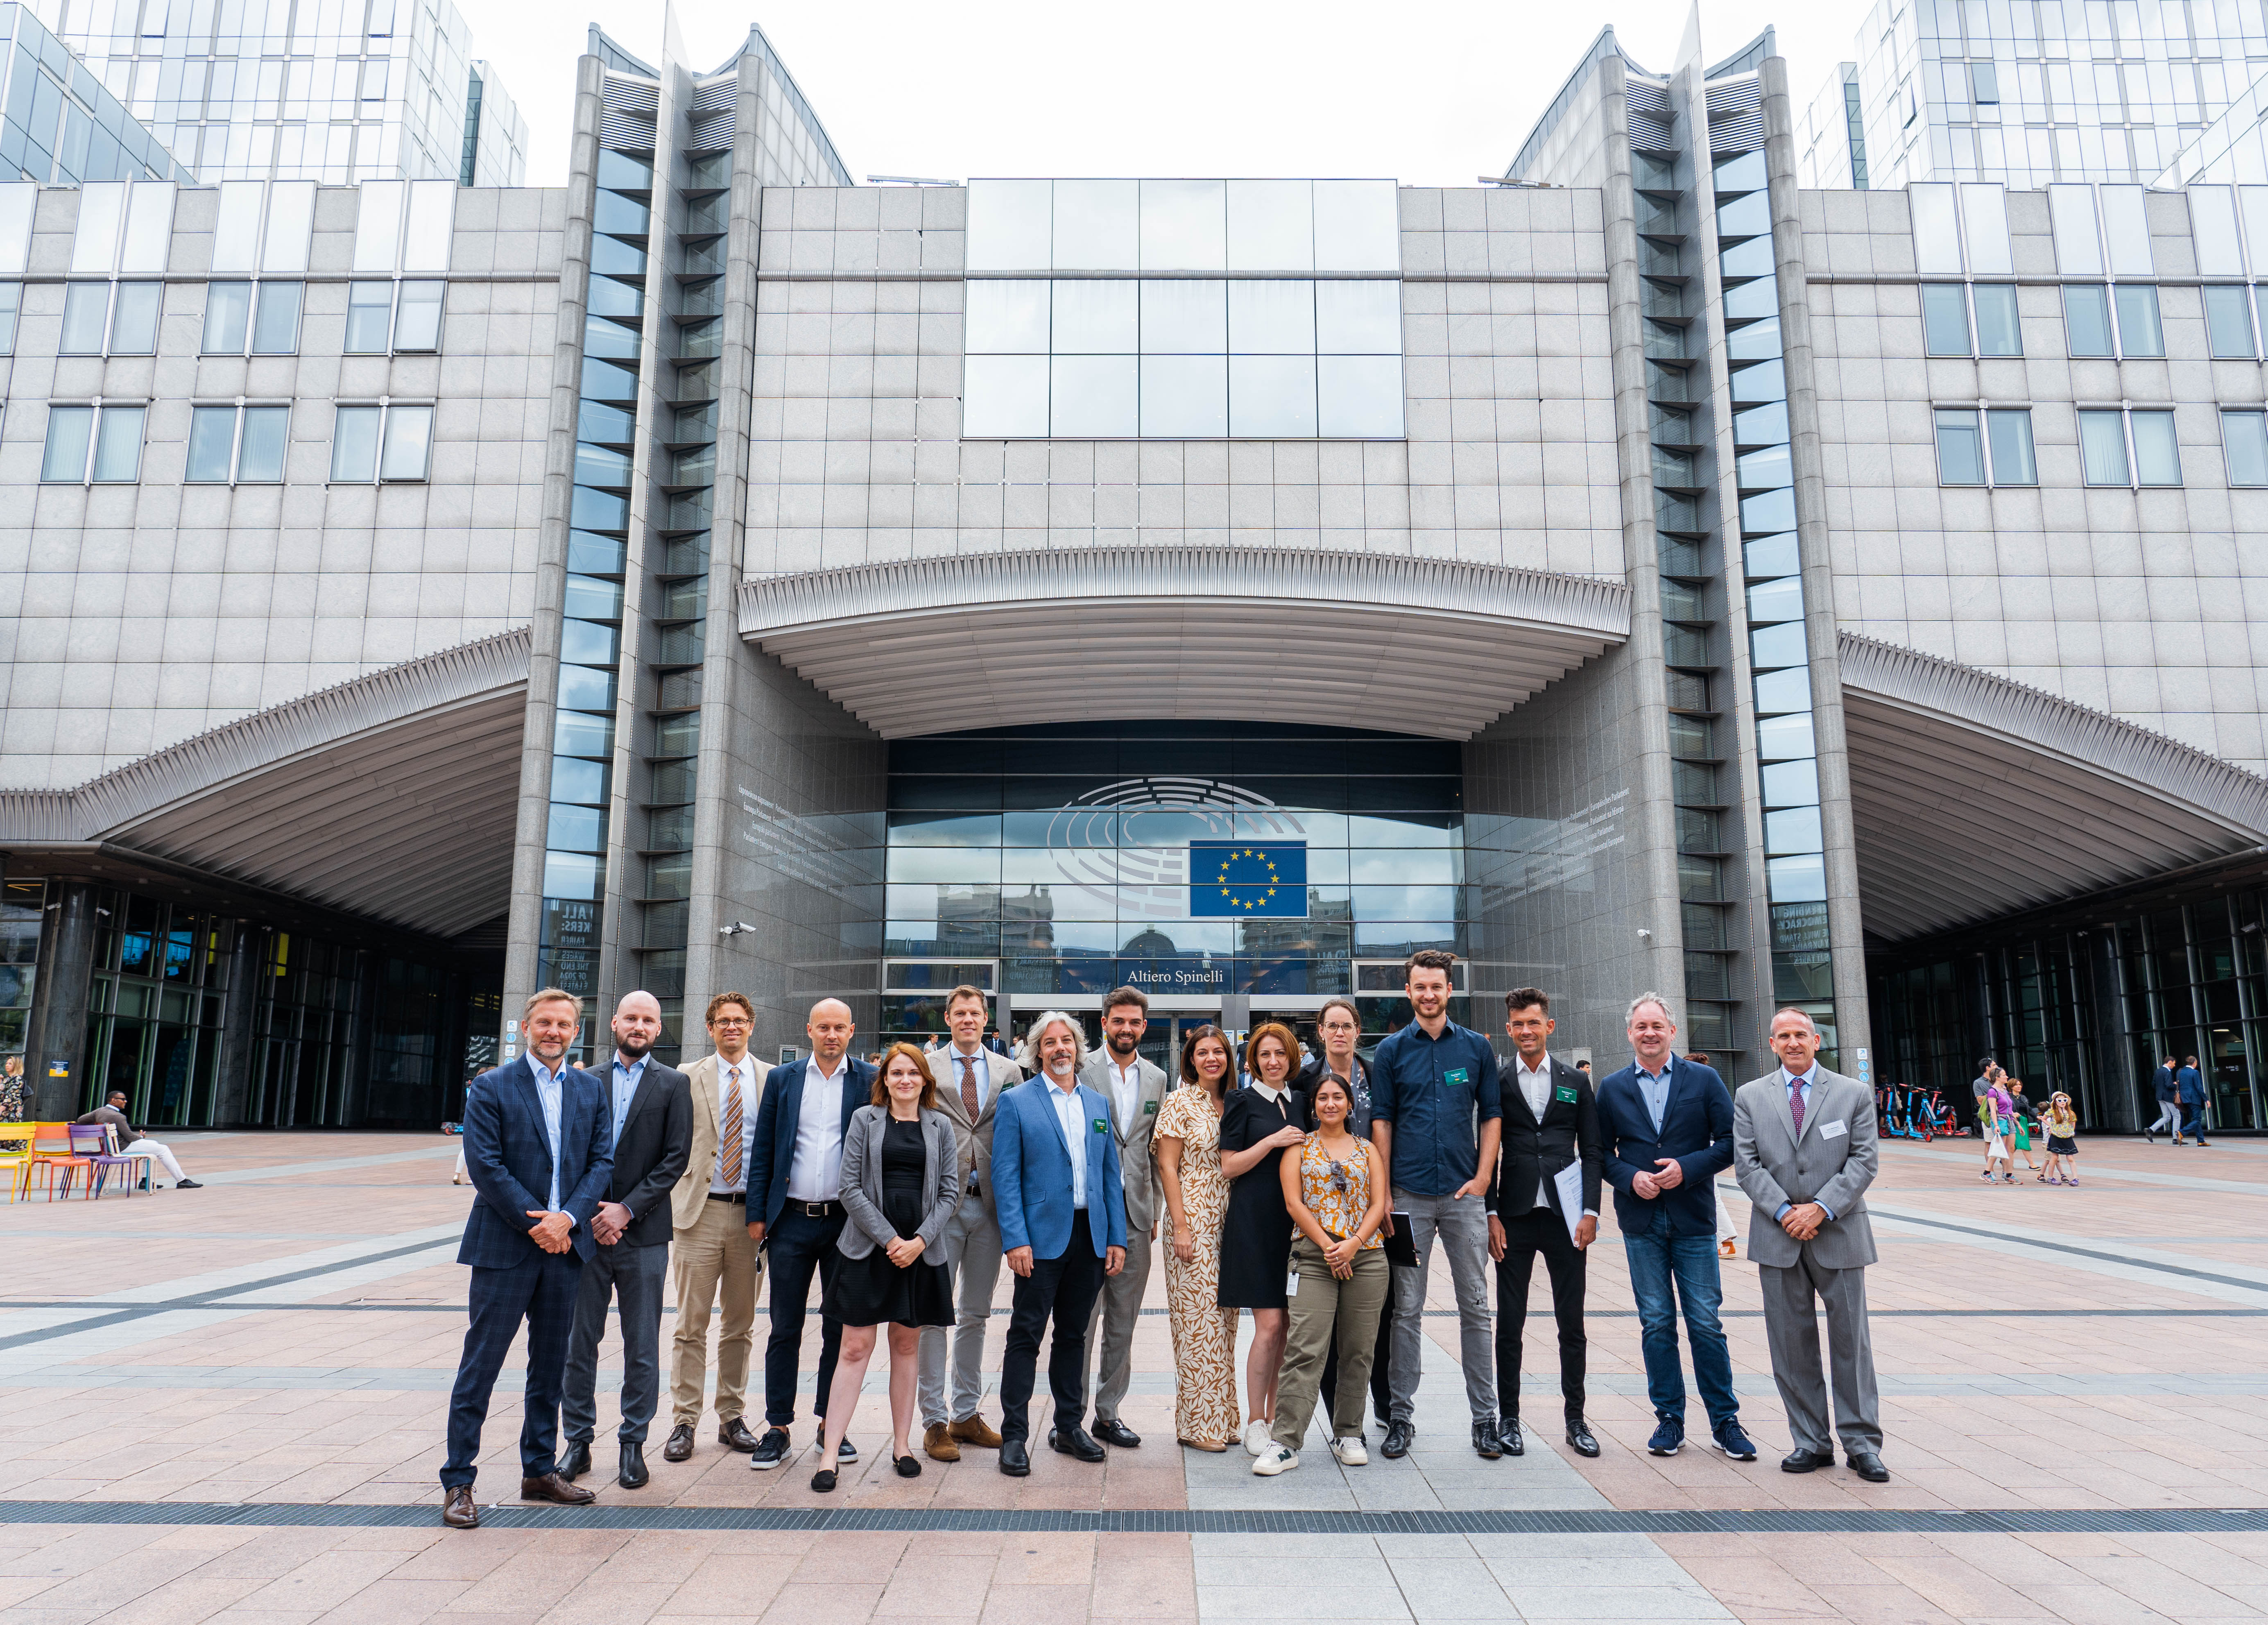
1070	1117
1792	1081
625	1081
1654	1089
551	1094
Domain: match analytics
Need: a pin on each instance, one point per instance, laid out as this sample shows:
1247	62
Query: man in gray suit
1135	1090
1804	1150
969	1079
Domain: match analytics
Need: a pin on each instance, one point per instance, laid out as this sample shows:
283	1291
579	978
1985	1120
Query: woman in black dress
1257	1124
900	1183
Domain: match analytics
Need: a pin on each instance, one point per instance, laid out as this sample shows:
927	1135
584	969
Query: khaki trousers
1323	1302
713	1257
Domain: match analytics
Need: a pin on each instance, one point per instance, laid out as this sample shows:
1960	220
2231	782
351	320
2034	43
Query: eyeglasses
731	1022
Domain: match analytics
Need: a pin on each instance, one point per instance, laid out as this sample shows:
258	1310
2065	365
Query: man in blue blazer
795	1210
1668	1125
1059	1195
538	1148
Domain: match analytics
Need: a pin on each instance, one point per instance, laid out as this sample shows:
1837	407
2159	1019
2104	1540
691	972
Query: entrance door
1172	1031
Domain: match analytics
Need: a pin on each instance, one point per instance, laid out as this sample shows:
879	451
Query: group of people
1313	1195
2006	1120
2179	1093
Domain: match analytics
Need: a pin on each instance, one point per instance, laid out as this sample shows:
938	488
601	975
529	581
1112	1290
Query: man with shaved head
795	1212
649	1109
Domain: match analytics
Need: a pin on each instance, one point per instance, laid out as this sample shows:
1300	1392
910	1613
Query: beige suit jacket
692	1187
1138	1169
975	1139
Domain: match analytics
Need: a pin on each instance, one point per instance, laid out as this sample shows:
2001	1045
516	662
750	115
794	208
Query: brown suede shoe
553	1487
975	1431
937	1442
457	1509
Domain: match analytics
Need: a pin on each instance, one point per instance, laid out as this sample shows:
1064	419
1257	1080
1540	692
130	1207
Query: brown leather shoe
937	1442
978	1431
457	1509
679	1447
553	1487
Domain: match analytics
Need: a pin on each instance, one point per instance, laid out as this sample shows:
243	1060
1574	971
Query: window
417	316
134	318
2139	332
125	313
1945	319
1985	83
228	317
1960	449
86	307
2009	430
2244	438
370	311
276	330
1997	331
382	443
2228	322
2103	447
113	433
2087	319
2157	459
218	454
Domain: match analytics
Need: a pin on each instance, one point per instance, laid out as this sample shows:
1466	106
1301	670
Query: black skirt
1255	1239
871	1291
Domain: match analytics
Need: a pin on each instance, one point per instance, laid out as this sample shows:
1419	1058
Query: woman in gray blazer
900	1183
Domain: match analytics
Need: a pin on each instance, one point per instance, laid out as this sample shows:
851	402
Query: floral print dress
1204	1334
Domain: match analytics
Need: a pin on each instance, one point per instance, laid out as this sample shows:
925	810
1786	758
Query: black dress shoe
1508	1434
1398	1435
1117	1434
1079	1442
1869	1467
1013	1460
770	1451
1486	1445
679	1447
1578	1436
457	1509
733	1435
633	1475
1807	1460
552	1488
576	1463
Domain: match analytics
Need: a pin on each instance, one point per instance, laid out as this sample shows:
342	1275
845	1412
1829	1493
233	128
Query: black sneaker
846	1453
1398	1435
771	1450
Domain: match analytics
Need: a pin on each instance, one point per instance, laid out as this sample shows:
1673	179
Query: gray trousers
1110	1328
635	1276
971	1248
1791	1330
1462	1226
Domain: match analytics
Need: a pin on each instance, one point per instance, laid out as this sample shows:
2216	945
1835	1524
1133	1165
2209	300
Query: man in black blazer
1551	1122
536	1148
795	1213
650	1125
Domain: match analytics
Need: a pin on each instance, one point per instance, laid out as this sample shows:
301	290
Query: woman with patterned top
1334	1190
1187	1144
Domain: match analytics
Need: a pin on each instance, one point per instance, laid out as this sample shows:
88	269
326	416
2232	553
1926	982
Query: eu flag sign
1243	879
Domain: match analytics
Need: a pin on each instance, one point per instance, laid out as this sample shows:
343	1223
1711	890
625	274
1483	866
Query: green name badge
1563	1093
1456	1077
1102	1126
1150	1107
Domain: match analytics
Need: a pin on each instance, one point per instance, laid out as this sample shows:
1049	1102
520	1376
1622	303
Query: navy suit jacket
1031	1172
508	1156
2192	1084
1697	1129
772	1149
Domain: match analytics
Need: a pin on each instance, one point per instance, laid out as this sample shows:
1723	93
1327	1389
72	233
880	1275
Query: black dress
1255	1240
871	1291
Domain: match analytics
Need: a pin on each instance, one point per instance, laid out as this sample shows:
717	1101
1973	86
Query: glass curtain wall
154	1007
22	904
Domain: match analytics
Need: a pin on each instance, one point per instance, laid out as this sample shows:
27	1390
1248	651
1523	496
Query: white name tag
1827	1131
1292	1284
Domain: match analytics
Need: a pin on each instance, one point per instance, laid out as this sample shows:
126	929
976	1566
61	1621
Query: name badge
1563	1093
1101	1127
1827	1131
1149	1108
1456	1077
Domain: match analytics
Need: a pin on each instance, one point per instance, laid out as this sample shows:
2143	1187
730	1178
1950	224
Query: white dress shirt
1126	1090
551	1095
816	1173
1070	1115
744	1068
1535	1090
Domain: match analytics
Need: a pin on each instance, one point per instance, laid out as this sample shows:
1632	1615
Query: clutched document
1568	1183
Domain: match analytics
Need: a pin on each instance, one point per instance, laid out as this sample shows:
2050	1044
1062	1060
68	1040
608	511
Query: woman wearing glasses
1334	1192
1187	1144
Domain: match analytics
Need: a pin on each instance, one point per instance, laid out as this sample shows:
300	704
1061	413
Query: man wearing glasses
714	1256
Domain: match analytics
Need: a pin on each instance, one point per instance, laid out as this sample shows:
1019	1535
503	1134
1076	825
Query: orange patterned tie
732	1175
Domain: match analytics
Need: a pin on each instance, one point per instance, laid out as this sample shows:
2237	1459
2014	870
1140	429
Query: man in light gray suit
1135	1090
969	1079
1804	1150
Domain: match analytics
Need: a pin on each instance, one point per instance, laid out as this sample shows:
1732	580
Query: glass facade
58	124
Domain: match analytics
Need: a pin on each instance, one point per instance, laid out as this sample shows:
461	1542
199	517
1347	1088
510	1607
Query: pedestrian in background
2020	1113
2062	1125
2165	1086
2191	1083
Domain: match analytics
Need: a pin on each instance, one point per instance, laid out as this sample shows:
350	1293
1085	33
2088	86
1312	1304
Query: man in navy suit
1059	1195
1668	1125
2191	1084
795	1210
538	1149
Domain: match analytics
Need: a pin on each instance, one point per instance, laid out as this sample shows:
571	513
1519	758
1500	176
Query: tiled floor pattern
288	1335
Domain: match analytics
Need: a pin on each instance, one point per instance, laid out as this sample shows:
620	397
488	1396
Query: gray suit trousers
635	1274
1791	1329
971	1248
1110	1329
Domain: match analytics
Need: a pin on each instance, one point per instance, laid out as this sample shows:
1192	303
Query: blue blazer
1030	1171
508	1156
2191	1086
771	1150
1697	1129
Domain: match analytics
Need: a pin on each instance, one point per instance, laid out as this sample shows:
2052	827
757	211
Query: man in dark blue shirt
1435	1118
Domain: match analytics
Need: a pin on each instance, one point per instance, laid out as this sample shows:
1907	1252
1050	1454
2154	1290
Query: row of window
1979	318
101	444
241	318
2117	447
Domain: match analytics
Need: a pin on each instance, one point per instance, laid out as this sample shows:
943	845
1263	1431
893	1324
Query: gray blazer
1137	1170
1833	1164
862	1181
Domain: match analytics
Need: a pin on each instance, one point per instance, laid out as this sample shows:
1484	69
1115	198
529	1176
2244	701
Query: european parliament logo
1241	879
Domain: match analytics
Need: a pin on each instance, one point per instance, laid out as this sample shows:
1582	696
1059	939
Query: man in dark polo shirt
1435	1118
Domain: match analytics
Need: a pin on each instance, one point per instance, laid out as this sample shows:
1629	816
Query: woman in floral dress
1187	1145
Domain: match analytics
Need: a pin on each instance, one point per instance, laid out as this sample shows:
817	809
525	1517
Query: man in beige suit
714	1257
1135	1090
969	1079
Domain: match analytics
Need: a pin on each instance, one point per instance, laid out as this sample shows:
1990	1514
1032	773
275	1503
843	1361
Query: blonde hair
552	995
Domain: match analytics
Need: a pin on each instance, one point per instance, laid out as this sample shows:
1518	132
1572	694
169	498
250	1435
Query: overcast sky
1433	96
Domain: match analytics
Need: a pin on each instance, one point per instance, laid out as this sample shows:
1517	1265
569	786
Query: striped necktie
731	1133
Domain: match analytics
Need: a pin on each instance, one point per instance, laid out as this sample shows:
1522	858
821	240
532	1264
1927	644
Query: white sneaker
1275	1459
1351	1452
1255	1436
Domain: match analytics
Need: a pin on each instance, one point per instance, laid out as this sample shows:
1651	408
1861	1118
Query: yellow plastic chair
16	1140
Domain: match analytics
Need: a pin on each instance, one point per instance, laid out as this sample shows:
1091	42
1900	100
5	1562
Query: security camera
1645	936
735	928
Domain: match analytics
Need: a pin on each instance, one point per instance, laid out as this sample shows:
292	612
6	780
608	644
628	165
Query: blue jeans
1656	1260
